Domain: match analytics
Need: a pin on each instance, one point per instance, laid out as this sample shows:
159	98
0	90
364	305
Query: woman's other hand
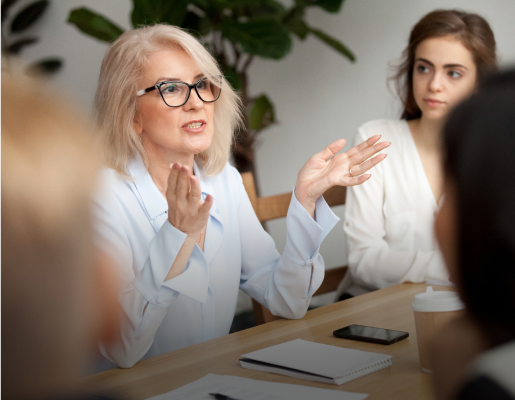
186	210
327	169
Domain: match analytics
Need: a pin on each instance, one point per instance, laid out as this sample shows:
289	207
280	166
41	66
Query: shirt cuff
164	248
193	282
304	235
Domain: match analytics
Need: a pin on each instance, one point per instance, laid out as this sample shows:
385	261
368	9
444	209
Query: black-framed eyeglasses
176	93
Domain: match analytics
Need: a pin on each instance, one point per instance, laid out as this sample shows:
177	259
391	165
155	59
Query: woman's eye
203	85
171	88
422	69
454	74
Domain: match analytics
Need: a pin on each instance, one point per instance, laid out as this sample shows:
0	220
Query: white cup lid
431	301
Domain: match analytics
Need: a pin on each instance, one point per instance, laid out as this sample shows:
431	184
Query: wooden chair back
272	207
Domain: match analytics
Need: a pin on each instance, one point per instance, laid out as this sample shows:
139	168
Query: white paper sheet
251	389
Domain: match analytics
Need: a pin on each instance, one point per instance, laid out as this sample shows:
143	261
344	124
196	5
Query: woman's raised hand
186	210
327	169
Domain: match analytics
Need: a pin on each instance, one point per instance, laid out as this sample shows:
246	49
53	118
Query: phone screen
370	334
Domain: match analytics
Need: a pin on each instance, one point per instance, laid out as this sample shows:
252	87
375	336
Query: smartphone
370	334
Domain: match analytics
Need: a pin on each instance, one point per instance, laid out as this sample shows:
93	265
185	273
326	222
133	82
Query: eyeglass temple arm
143	91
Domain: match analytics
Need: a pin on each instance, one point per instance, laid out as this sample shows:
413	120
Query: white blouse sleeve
282	283
372	262
144	295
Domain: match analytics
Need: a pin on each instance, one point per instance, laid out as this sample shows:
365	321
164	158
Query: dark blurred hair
470	29
479	160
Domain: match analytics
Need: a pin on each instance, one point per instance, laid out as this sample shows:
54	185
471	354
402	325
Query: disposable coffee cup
433	310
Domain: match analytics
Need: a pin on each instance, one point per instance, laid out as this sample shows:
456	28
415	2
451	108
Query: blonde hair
116	102
49	169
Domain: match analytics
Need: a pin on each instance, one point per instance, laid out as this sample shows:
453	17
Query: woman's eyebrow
455	66
165	78
445	66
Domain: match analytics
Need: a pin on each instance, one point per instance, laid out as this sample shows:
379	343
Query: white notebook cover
316	361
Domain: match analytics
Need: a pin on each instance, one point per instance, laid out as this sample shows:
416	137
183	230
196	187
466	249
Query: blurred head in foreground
53	281
476	224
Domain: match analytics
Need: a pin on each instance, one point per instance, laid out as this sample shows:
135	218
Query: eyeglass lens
176	93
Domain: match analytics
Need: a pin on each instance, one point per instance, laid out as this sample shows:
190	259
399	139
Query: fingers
363	145
186	211
172	178
367	144
183	183
357	180
195	191
206	206
332	149
360	156
365	166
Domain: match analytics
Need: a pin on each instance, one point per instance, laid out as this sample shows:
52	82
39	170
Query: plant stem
247	64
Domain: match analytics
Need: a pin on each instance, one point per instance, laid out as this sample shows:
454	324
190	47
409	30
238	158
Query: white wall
337	96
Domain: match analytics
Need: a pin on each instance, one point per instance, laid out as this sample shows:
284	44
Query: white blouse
389	219
160	316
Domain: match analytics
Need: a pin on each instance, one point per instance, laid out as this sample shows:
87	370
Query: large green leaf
148	12
45	67
265	8
266	38
199	26
335	44
28	15
294	20
94	24
233	78
262	113
332	6
16	47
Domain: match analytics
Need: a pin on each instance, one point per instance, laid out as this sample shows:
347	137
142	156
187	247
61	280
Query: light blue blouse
160	316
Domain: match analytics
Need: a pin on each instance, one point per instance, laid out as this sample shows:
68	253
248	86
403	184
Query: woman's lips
194	126
433	102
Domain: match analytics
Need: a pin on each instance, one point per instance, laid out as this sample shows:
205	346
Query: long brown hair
471	30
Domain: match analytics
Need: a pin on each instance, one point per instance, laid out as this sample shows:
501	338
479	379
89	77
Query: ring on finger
350	171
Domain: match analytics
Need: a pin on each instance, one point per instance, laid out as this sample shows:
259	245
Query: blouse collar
153	200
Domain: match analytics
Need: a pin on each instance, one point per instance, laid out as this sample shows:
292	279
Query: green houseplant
13	43
235	32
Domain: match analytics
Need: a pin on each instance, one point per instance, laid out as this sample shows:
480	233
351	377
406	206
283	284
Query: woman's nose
194	102
435	84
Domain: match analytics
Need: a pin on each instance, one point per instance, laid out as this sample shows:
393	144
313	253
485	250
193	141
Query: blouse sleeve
144	295
372	262
282	283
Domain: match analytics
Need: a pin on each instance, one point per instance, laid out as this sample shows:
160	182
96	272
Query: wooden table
387	308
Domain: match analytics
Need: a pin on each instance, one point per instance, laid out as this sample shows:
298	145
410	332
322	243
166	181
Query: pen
219	396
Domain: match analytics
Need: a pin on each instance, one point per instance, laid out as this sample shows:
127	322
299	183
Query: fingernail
176	166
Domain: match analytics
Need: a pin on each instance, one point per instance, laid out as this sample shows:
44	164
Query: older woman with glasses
174	214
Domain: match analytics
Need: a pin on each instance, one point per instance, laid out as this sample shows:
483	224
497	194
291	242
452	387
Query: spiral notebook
315	361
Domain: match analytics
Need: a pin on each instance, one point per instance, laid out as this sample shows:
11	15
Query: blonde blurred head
49	170
116	101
